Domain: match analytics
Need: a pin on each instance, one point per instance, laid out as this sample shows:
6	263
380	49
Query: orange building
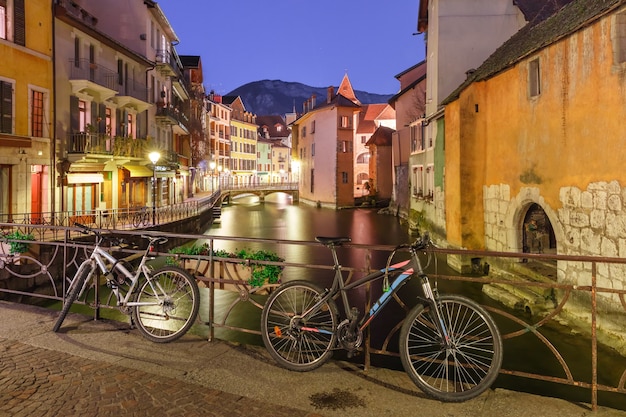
535	143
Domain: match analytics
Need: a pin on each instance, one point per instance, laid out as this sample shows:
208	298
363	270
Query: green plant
18	247
259	274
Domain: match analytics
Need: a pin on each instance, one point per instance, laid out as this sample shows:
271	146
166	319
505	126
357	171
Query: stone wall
590	222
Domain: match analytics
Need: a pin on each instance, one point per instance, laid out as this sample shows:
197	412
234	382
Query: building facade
26	109
243	137
324	141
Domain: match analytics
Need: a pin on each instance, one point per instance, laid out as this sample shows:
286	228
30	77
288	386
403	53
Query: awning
139	170
85	178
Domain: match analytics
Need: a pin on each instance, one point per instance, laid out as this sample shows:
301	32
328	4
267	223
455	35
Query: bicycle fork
435	311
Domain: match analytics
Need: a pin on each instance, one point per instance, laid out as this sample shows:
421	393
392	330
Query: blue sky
314	42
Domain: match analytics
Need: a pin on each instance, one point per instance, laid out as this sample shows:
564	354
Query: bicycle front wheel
170	300
72	292
297	339
466	365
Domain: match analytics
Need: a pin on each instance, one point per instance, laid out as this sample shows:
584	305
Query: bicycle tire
172	319
284	339
72	293
137	220
463	371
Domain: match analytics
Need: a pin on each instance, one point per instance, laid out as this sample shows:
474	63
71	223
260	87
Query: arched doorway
537	232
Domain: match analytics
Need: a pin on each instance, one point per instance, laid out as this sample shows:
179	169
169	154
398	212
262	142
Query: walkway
101	368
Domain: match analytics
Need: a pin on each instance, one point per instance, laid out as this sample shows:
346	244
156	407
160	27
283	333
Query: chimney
313	98
331	94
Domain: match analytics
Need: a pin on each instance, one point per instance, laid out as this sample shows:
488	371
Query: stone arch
516	215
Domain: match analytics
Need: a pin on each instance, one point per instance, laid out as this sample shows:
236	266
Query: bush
260	274
18	247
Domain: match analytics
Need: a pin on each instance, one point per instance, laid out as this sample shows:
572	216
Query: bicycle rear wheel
470	362
84	270
170	302
297	343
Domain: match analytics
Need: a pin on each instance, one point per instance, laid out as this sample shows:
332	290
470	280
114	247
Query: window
417	179
36	114
344	146
417	138
345	121
344	177
313	126
430	182
6	107
619	42
3	19
120	72
312	149
303	131
82	115
363	158
13	21
534	79
363	139
77	52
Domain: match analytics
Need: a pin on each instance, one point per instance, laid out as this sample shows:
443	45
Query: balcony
173	116
92	79
165	63
101	144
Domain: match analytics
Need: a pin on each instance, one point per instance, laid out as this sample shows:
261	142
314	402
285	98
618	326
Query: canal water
278	218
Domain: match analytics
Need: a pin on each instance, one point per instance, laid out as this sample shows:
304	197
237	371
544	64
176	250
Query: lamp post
154	158
212	166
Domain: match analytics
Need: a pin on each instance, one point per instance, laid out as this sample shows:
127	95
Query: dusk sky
314	42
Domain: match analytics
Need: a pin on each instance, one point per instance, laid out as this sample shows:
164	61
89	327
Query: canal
278	218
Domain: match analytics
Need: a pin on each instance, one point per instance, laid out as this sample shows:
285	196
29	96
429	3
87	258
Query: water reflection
277	218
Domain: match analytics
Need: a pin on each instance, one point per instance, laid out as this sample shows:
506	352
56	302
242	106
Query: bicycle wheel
467	366
137	220
297	343
170	302
84	270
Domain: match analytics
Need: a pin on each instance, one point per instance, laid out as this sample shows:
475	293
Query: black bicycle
449	345
141	217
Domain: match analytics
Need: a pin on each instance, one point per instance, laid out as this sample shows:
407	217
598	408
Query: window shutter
74	115
6	107
19	17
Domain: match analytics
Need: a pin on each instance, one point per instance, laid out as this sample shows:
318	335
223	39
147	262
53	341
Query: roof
272	122
190	61
532	38
536	11
381	137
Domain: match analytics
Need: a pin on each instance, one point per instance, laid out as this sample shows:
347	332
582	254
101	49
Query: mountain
275	97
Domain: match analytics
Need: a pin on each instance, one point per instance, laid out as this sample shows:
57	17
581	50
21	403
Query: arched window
363	158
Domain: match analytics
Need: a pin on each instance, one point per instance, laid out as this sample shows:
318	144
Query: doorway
537	232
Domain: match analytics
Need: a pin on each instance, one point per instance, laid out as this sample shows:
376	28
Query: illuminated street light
212	166
154	158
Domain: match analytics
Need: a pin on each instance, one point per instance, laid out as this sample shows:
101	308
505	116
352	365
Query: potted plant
238	274
18	247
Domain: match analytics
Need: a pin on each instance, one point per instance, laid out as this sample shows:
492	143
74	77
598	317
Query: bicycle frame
402	272
99	257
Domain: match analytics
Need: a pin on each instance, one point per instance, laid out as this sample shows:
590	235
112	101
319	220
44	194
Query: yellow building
243	137
26	111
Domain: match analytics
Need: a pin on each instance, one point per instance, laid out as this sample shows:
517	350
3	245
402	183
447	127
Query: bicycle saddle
333	240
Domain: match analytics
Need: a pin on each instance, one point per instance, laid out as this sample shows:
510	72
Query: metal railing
52	264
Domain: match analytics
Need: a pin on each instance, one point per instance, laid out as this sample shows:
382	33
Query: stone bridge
260	190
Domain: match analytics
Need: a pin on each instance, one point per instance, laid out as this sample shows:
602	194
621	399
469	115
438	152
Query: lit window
37	114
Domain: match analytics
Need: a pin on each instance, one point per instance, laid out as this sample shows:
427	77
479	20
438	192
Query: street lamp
154	158
212	166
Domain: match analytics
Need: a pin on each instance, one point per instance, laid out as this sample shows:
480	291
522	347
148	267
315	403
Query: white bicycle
162	303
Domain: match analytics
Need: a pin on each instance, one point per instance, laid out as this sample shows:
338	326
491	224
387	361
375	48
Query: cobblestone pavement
40	382
102	368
